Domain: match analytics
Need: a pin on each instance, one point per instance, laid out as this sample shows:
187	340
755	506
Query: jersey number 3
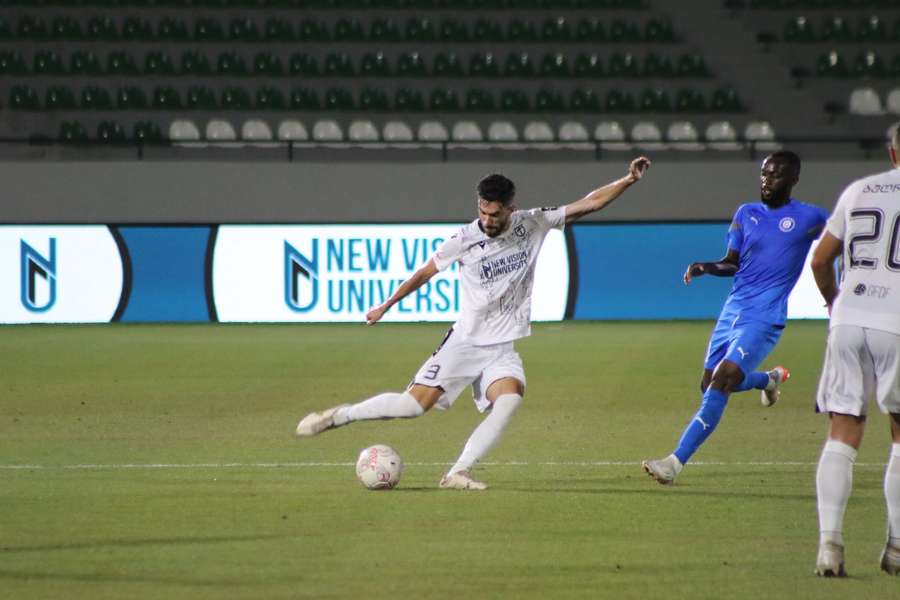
872	234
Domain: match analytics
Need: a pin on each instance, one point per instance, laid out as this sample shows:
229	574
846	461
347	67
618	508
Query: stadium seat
623	65
337	98
243	30
483	65
12	63
521	31
65	28
406	100
478	100
446	65
556	30
590	30
761	134
466	131
514	101
47	62
305	99
549	100
487	31
865	102
656	65
269	98
131	98
869	65
136	29
327	130
338	65
396	131
207	29
502	131
95	98
231	64
555	66
291	130
622	31
538	131
419	30
691	65
158	63
689	100
312	31
171	29
432	131
110	131
362	131
235	98
256	130
584	101
219	130
384	30
618	101
799	29
59	98
278	30
573	131
72	131
31	28
647	136
836	29
146	131
200	98
831	64
588	65
266	64
183	130
682	135
611	136
892	102
655	100
411	65
871	29
518	65
374	64
166	98
348	30
371	98
303	65
659	31
721	135
194	63
101	28
451	30
726	100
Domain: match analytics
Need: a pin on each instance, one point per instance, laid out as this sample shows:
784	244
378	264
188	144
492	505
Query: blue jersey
773	244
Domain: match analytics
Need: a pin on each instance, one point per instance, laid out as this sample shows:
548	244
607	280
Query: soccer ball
379	467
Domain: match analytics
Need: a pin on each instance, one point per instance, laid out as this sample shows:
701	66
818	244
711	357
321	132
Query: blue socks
703	423
757	379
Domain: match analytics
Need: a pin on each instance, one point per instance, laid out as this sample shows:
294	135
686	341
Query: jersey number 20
872	235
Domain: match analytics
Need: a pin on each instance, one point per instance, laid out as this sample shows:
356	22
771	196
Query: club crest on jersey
787	224
520	230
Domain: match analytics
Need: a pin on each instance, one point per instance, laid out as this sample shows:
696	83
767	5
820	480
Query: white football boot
316	422
890	559
664	470
771	394
830	560
461	480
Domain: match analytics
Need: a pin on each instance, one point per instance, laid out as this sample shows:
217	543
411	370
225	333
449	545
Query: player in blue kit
767	246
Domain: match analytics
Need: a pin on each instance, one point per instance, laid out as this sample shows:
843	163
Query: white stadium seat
396	131
502	131
865	102
892	103
721	136
573	131
611	136
647	136
684	136
256	130
762	133
327	130
432	131
219	130
291	130
362	131
538	131
183	130
467	131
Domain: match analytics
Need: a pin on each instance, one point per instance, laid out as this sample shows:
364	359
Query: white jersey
867	220
497	274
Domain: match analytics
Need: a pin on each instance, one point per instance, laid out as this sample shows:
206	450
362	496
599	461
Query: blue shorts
746	344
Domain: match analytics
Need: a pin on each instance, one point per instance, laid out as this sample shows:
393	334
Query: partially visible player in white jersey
862	359
497	254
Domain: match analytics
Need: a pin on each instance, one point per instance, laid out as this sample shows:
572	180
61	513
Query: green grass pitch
158	462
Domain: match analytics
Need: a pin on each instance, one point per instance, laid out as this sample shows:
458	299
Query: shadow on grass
654	488
171	541
35	576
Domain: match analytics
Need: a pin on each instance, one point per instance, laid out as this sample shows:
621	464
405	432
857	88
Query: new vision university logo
301	278
34	268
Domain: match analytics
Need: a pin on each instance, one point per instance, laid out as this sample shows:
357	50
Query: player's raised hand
693	270
638	167
374	315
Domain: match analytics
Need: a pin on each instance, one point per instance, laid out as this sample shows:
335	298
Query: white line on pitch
300	465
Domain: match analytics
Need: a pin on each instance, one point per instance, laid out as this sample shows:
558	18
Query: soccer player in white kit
862	358
497	254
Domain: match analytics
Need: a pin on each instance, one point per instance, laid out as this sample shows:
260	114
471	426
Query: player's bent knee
425	395
507	385
727	376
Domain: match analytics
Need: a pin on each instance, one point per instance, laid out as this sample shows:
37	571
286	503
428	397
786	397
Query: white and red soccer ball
379	467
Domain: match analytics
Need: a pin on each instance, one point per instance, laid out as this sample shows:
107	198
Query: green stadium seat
588	66
831	64
131	98
691	65
487	31
171	29
348	30
312	31
12	63
65	28
483	65
410	65
72	131
147	131
726	100
338	65
443	100
590	30
47	62
554	65
231	64
384	30
419	30
338	99
584	101
621	31
556	30
799	29
101	28
31	28
895	30
894	70
836	29
623	65
121	63
269	98
451	30
304	99
514	101
872	29
235	98
5	31
656	65
267	64
372	98
59	98
166	98
518	65
110	131
660	31
243	30
689	100
655	101
478	100
136	29
408	100
207	29
447	65
158	63
84	63
521	31
869	65
548	100
95	98
279	30
200	97
619	101
23	97
374	64
303	65
194	63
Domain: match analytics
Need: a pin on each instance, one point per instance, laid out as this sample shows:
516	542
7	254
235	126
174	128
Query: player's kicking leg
404	405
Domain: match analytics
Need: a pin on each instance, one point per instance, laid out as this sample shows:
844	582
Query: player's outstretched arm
601	197
822	264
727	266
418	279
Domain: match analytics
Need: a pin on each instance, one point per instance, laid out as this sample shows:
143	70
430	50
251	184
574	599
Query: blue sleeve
818	223
736	231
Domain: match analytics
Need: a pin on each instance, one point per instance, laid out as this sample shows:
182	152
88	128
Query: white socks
892	495
834	481
390	405
488	433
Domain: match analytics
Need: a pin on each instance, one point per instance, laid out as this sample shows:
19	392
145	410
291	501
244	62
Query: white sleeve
449	251
549	217
837	222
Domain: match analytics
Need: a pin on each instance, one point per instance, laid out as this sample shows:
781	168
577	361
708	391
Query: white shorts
456	364
860	363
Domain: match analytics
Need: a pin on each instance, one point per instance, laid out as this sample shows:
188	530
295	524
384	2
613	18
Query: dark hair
895	138
496	188
788	157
